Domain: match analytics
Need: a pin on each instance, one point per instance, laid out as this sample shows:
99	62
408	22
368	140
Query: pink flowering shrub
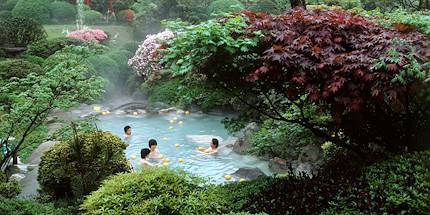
89	34
145	60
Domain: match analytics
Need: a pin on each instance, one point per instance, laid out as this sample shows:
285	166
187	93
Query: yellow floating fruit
104	113
165	138
175	118
160	156
242	180
200	148
135	113
227	177
177	145
97	108
172	121
133	157
180	122
187	112
181	160
166	164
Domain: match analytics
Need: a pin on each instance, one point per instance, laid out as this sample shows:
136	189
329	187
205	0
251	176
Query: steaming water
80	15
196	130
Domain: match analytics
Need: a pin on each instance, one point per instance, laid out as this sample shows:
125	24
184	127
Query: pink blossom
145	60
89	34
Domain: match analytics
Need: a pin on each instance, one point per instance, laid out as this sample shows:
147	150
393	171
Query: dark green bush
224	6
268	6
132	46
119	5
154	191
16	206
18	68
33	59
281	139
8	188
20	31
35	9
46	48
62	11
400	185
244	213
92	17
76	167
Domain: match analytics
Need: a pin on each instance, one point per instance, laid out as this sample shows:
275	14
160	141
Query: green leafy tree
35	96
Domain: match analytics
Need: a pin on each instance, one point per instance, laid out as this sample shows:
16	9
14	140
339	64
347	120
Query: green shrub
35	9
265	6
18	68
244	213
125	16
33	59
8	188
46	48
9	5
239	193
16	206
281	139
403	182
224	6
76	167
92	17
5	14
62	11
120	56
400	185
132	46
154	191
105	66
20	31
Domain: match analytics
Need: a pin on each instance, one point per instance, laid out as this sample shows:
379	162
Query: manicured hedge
46	48
35	9
20	31
62	11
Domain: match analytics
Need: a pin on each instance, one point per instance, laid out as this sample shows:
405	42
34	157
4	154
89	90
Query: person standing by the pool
127	132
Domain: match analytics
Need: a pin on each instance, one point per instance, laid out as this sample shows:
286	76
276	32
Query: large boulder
248	173
311	153
153	108
242	145
278	165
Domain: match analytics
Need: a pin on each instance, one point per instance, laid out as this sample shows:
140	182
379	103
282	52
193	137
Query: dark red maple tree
368	78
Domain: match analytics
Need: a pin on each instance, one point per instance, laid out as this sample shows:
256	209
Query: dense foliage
76	167
62	12
8	188
92	17
154	191
351	68
224	6
17	206
35	9
20	31
18	68
46	48
281	139
125	16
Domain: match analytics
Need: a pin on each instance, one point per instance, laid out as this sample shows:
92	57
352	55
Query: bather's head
144	153
152	144
127	130
214	143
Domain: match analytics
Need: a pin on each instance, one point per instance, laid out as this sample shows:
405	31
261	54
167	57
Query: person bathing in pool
155	153
127	132
213	147
144	153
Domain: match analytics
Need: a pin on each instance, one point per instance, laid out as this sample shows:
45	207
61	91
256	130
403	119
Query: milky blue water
190	132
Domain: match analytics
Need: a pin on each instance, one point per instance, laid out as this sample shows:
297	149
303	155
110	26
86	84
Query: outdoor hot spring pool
190	132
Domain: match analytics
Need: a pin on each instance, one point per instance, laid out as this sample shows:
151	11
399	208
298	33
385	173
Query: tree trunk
15	158
110	8
298	3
